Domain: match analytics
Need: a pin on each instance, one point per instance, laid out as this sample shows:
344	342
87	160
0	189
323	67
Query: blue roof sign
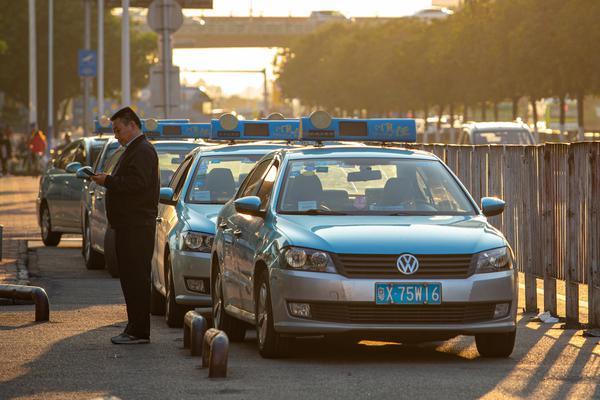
287	129
348	129
163	128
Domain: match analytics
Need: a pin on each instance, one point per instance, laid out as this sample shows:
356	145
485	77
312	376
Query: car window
218	177
266	186
68	155
106	157
170	156
80	154
177	176
95	150
507	136
184	168
372	186
251	183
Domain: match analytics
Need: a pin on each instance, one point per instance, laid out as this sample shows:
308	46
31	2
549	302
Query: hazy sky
256	59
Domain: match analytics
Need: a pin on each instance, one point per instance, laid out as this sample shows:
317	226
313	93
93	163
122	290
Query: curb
22	263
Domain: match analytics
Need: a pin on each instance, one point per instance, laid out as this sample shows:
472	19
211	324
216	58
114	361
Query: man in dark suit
131	207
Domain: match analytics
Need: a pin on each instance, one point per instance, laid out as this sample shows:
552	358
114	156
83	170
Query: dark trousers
134	246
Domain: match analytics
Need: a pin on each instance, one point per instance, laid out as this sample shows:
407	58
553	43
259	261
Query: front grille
374	266
369	313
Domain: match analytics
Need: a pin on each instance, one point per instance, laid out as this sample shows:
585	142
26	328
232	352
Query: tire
497	345
157	301
234	328
93	259
49	237
270	343
174	312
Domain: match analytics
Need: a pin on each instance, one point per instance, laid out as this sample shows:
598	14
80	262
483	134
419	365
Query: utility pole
50	73
86	80
100	82
32	68
166	48
265	92
125	55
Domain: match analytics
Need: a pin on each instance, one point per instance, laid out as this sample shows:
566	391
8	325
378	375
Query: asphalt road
71	357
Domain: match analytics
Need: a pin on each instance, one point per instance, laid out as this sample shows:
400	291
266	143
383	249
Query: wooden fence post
573	238
530	232
594	242
549	229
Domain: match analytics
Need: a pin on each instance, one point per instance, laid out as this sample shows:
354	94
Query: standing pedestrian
37	148
5	150
132	207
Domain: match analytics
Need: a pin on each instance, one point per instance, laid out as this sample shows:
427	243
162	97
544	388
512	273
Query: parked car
361	242
60	192
496	133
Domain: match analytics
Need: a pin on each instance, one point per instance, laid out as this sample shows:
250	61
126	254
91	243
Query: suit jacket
133	188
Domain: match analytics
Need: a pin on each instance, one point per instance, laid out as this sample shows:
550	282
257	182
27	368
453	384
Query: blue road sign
87	61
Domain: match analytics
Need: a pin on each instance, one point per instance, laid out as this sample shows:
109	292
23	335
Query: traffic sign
174	17
87	61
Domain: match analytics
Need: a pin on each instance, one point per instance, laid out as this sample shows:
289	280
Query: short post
215	352
1	240
194	327
32	293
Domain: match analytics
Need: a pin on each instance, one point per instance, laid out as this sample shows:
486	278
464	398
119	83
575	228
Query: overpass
207	32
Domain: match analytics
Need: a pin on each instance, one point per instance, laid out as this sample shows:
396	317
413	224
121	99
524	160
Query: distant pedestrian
5	150
132	207
37	147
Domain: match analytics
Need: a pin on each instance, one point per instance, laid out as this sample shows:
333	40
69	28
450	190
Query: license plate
408	293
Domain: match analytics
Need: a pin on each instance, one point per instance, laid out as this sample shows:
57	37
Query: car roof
357	152
496	125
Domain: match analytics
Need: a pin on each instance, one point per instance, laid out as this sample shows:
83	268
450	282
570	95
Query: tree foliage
488	51
68	39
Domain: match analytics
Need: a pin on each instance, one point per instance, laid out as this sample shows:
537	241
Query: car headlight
493	260
307	260
196	241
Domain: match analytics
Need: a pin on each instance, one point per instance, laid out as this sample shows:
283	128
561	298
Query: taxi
361	242
172	139
190	203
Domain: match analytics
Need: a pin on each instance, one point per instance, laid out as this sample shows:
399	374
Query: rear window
508	136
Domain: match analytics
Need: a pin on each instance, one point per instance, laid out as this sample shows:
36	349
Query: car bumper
187	266
335	291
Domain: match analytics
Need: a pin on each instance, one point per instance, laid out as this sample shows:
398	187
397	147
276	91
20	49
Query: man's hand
99	178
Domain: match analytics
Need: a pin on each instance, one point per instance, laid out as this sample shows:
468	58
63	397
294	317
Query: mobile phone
88	172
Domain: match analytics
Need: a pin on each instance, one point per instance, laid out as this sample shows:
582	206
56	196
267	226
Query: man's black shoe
125	338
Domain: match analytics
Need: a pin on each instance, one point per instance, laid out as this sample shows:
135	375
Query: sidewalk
17	214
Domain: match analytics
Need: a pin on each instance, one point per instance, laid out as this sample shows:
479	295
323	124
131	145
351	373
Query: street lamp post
100	82
50	73
86	80
32	67
125	65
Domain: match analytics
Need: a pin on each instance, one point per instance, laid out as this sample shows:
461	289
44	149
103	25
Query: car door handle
159	220
237	232
223	225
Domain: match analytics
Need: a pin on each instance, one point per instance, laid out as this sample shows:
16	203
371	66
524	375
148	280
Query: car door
98	219
73	190
166	220
56	193
234	283
249	238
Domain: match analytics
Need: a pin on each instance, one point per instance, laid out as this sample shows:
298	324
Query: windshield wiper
315	211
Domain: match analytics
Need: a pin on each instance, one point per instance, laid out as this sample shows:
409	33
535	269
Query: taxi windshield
217	178
371	186
170	155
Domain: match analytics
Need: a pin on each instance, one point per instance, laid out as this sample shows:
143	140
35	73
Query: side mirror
72	167
248	205
84	172
166	196
491	206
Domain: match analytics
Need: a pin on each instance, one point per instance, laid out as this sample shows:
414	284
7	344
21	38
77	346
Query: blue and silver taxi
172	139
190	203
361	242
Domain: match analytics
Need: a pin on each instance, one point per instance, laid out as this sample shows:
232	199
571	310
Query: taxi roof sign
225	128
104	125
187	130
318	128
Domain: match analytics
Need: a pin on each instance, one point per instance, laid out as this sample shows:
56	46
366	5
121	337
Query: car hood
390	235
202	217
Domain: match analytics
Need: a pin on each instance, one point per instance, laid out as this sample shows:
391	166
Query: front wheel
93	259
49	237
497	345
234	328
270	343
174	312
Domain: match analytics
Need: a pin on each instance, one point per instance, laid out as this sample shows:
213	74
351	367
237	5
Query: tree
68	39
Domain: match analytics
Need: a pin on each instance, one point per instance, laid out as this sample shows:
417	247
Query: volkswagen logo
407	264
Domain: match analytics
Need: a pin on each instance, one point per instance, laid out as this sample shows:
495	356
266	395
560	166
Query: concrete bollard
194	327
215	352
33	293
